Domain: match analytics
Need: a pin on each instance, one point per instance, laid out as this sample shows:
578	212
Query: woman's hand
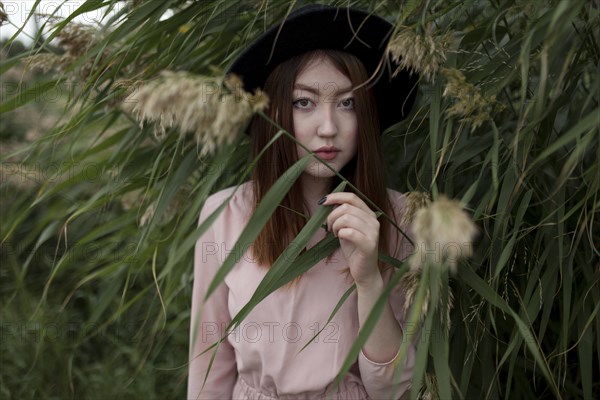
356	225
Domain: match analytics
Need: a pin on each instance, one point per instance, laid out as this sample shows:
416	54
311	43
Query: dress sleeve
380	379
208	322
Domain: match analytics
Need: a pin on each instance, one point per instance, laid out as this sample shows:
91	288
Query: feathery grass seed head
213	109
443	230
414	202
130	199
75	39
3	16
44	61
170	212
469	102
429	389
410	282
422	54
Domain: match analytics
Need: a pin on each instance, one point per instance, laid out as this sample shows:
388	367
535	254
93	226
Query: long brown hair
366	170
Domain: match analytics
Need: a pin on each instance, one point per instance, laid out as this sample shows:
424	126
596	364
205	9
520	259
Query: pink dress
261	359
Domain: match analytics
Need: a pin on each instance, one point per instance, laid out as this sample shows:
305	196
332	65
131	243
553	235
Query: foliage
98	215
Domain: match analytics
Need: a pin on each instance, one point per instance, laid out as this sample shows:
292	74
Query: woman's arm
384	341
376	361
358	229
208	321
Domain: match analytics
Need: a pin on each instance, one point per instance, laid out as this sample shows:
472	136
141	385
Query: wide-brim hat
351	30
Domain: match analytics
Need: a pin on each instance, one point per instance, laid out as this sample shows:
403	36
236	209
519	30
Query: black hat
318	26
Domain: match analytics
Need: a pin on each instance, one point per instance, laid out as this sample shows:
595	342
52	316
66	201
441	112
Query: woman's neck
313	190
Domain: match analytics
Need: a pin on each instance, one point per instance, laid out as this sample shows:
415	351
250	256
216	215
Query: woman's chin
321	171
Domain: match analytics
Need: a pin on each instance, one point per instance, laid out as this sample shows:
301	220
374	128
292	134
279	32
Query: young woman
327	76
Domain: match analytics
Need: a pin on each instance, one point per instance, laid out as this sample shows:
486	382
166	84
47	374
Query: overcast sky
18	11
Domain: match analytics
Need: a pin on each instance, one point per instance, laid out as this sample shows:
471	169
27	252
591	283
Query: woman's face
324	115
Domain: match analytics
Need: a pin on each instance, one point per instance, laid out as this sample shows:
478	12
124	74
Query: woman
318	69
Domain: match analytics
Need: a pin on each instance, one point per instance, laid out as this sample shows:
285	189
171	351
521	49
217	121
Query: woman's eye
302	103
348	103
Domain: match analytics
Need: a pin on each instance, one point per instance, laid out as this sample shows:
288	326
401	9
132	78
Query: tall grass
98	214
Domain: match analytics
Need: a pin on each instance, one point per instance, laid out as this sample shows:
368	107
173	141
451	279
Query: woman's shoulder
221	195
405	205
398	201
240	200
396	195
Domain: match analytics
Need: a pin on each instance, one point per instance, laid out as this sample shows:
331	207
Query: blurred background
98	207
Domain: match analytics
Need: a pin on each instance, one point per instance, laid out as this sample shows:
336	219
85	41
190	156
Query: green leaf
440	346
367	328
277	272
589	122
259	218
34	92
494	299
333	312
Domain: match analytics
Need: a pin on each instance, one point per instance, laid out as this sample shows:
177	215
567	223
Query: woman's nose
327	124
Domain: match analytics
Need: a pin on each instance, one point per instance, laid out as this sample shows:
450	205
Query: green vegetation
98	214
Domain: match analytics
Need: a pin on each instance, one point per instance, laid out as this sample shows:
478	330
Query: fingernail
322	200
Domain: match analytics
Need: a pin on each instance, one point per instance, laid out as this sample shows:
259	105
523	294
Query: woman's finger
366	229
346	197
365	219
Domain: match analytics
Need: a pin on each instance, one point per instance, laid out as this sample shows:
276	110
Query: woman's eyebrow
327	88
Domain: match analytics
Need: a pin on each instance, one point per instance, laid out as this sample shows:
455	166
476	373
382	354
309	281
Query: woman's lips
327	155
